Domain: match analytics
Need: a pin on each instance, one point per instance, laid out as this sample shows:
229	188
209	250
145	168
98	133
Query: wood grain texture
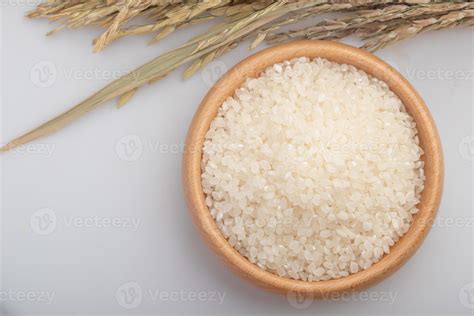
340	53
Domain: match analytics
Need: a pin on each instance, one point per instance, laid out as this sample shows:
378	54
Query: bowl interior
343	54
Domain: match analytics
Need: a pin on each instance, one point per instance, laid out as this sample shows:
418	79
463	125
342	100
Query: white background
125	165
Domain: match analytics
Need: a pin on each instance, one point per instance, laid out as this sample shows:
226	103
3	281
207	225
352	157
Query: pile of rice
312	171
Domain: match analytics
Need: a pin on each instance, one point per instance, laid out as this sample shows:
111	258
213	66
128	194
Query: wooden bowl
339	53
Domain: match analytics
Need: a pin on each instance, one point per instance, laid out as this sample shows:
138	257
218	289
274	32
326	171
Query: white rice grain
313	170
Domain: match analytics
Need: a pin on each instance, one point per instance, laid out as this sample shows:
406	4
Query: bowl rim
340	53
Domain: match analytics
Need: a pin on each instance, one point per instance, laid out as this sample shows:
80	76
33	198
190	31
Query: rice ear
378	23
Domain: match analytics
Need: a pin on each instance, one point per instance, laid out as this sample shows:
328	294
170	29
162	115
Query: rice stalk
174	18
379	23
414	27
363	18
156	68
